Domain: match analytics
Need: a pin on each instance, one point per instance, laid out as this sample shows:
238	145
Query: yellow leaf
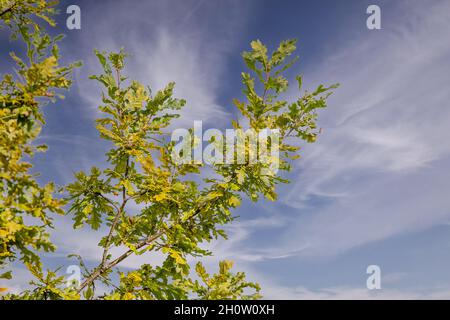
240	176
147	163
88	209
234	201
107	133
134	277
128	296
213	195
127	184
178	258
160	197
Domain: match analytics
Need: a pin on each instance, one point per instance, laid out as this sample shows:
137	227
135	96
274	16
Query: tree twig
8	9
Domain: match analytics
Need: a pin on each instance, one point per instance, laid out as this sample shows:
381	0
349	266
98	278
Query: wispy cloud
350	293
383	159
167	42
240	248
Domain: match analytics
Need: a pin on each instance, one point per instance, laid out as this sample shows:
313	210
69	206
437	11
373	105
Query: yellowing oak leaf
234	201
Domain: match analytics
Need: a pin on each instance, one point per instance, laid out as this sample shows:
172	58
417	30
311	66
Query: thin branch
104	267
8	9
109	237
116	218
99	271
108	200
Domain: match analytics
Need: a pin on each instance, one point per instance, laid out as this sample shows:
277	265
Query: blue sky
373	190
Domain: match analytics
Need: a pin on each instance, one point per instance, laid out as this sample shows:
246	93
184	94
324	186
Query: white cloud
84	242
239	233
21	278
382	161
169	45
349	293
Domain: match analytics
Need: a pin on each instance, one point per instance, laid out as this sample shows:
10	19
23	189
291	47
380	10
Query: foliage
18	14
148	283
24	204
178	214
144	199
48	286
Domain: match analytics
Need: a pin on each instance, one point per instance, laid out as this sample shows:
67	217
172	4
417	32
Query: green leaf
89	293
6	275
